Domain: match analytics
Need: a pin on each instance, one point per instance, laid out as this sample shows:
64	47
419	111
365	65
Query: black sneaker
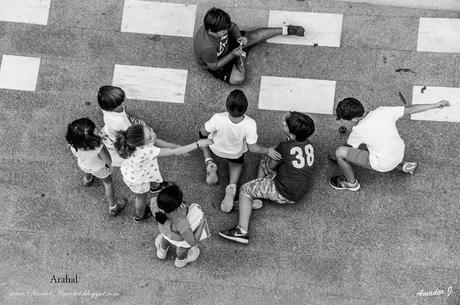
341	183
296	30
235	235
157	190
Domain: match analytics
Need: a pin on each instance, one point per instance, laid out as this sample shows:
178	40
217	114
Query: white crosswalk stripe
25	11
439	35
433	95
306	95
152	84
19	72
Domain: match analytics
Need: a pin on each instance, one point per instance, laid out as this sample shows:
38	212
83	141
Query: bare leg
245	210
109	192
262	34
234	170
206	153
140	204
164	244
181	253
347	170
238	74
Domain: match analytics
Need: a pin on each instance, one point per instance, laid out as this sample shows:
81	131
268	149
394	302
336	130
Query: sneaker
192	255
227	203
87	182
256	204
211	173
156	190
161	253
147	214
236	235
341	183
409	167
295	30
119	205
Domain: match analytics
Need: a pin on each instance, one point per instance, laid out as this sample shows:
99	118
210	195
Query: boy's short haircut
300	125
110	97
349	109
217	20
237	103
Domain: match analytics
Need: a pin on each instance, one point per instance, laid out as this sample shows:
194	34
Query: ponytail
161	217
128	140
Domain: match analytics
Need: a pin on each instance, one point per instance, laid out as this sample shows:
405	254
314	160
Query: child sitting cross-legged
285	181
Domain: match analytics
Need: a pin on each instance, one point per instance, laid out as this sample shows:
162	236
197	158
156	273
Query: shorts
225	72
181	244
239	160
138	188
359	157
263	188
101	173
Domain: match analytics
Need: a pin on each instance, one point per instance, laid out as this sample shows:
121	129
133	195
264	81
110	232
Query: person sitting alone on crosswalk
219	45
377	130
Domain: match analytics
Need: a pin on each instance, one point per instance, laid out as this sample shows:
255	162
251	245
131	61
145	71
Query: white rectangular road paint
152	84
434	95
323	29
146	17
305	95
19	72
439	35
25	11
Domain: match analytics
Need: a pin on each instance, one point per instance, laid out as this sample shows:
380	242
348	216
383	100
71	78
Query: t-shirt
208	49
230	139
378	131
142	166
294	172
89	159
115	121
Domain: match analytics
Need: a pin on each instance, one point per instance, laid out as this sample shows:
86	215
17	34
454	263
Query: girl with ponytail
179	225
139	147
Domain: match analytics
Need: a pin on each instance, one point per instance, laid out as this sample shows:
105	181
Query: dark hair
110	97
237	103
80	135
169	199
128	140
349	109
216	20
300	125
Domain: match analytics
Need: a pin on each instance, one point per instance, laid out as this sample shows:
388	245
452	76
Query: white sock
207	160
242	230
285	29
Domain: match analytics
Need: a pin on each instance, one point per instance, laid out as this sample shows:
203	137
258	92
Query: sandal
147	214
89	181
211	173
119	205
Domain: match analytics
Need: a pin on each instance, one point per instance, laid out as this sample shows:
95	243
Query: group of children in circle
284	174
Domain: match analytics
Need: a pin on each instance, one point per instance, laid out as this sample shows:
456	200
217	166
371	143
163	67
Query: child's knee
237	79
341	152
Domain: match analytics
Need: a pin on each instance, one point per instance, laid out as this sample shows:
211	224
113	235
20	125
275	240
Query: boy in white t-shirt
377	130
233	133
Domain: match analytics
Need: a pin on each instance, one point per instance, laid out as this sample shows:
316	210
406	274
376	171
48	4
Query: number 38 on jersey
302	157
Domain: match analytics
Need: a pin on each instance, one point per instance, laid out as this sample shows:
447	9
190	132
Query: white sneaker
409	167
161	254
227	203
192	255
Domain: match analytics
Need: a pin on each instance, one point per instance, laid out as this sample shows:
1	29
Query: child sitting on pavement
233	133
178	227
93	159
377	130
218	45
137	145
285	181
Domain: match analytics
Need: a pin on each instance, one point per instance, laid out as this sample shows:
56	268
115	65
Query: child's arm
166	152
269	151
225	59
408	110
105	155
164	144
193	238
204	132
235	32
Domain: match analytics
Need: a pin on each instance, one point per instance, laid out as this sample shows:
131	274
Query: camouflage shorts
263	188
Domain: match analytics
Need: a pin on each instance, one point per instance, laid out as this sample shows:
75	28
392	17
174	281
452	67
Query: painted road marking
299	94
322	29
146	17
433	95
25	11
439	35
152	84
19	72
